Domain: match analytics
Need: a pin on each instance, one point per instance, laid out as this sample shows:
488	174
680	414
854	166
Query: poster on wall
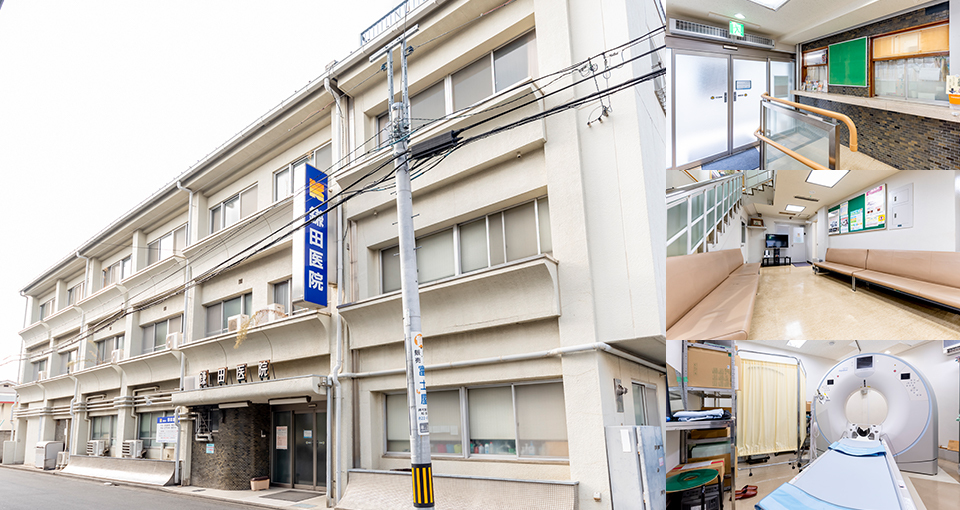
856	220
282	438
876	207
833	221
844	218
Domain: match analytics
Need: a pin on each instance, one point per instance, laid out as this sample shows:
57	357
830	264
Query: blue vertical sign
315	257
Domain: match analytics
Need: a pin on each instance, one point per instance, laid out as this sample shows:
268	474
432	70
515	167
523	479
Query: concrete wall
934	216
241	450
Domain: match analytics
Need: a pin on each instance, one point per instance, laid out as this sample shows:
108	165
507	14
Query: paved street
32	490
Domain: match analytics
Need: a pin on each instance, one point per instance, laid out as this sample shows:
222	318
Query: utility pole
420	463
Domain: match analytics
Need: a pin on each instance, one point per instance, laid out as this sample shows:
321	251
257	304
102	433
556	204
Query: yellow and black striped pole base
422	485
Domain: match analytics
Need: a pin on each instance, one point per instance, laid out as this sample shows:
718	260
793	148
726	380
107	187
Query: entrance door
300	449
700	106
749	82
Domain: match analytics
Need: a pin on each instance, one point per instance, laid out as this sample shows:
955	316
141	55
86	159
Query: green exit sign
736	28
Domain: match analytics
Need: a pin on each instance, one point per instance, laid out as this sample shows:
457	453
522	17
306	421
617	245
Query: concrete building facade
540	262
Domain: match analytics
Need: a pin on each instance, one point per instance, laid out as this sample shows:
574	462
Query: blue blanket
789	497
858	448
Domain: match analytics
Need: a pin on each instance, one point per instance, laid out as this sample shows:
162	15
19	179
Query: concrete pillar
30	312
94	276
199	219
126	421
133	339
140	256
61	295
81	432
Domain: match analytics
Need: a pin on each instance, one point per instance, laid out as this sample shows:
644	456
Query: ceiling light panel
770	4
795	208
827	178
796	343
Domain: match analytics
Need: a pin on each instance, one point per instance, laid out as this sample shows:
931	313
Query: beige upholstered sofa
930	275
710	296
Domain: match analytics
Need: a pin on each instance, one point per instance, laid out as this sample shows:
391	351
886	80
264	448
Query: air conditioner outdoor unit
235	322
97	448
116	355
173	340
133	448
63	458
951	347
275	311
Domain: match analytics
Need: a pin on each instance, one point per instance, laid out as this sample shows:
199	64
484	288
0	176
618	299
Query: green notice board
847	62
859	214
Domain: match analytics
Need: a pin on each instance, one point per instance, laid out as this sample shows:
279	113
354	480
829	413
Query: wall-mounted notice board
848	63
859	214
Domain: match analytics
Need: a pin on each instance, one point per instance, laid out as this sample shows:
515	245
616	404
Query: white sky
102	102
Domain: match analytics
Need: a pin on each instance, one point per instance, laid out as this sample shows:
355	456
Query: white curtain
767	408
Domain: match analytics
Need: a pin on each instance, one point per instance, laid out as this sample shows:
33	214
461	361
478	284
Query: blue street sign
315	233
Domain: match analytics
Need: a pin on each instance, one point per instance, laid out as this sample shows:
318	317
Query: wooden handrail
691	176
820	111
803	159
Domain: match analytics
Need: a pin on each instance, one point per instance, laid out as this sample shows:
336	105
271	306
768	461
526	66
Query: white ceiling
791	183
797	21
840	349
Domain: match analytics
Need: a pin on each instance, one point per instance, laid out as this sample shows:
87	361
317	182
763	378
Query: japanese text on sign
315	232
420	385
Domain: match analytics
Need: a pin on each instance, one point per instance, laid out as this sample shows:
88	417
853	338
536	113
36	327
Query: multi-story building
540	264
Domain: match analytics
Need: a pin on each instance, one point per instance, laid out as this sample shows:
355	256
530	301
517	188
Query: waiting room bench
710	296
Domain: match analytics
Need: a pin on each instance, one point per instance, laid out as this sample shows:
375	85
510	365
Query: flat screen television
778	240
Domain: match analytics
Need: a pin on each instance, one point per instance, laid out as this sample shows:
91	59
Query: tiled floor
794	303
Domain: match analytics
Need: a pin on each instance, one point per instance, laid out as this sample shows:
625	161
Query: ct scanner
873	416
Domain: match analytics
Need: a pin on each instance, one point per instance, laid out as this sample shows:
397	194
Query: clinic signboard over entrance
315	234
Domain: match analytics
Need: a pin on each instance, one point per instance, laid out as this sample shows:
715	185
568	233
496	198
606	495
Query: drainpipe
176	448
73	414
83	313
334	375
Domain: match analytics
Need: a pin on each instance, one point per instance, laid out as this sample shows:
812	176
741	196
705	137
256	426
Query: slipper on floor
746	494
748	487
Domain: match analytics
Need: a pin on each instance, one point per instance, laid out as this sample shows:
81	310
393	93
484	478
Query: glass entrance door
300	449
700	106
749	82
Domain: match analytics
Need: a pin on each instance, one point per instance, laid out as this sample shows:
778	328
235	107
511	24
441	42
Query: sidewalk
269	498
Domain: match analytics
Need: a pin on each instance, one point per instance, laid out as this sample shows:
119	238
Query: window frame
223	217
457	258
465	432
121	266
46	309
243	311
153	325
174	248
113	428
75	294
871	70
153	416
117	344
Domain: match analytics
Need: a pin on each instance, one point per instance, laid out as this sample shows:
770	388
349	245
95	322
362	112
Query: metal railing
388	20
798	133
696	213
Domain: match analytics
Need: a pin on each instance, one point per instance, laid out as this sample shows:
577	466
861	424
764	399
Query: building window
155	335
117	271
912	65
218	314
519	420
104	428
285	181
383	131
515	61
46	309
427	105
281	296
148	428
645	407
516	233
106	347
38	369
167	245
233	209
473	83
68	361
74	294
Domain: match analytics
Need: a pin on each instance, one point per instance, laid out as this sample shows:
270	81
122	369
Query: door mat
746	160
293	495
800	264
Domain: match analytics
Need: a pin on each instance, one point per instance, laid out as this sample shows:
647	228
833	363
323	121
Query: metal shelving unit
730	393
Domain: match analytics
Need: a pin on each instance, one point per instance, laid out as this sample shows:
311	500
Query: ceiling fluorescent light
795	208
234	405
739	16
770	4
288	401
796	343
827	178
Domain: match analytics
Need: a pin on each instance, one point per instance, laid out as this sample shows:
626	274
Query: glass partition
804	135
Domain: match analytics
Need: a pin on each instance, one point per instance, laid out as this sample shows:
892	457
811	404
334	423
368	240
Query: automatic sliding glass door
300	449
749	83
700	106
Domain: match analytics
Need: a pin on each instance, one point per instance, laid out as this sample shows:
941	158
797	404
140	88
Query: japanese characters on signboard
221	374
315	233
420	385
167	429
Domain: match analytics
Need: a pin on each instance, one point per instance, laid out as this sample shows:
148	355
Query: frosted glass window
248	202
428	105
781	80
231	211
472	83
126	267
473	245
445	431
696	206
166	246
676	219
546	240
281	295
179	239
521	230
696	232
231	307
701	107
323	158
541	420
104	428
435	256
515	61
398	422
214	321
383	133
299	176
390	269
492	422
281	184
927	78
160	337
215	219
678	247
496	239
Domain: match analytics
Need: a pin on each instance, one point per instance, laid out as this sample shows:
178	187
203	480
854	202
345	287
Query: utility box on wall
638	472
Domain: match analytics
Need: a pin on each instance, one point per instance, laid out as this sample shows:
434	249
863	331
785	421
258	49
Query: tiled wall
907	142
240	453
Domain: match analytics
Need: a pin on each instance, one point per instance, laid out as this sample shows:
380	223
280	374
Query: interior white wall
935	218
943	373
814	366
730	238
